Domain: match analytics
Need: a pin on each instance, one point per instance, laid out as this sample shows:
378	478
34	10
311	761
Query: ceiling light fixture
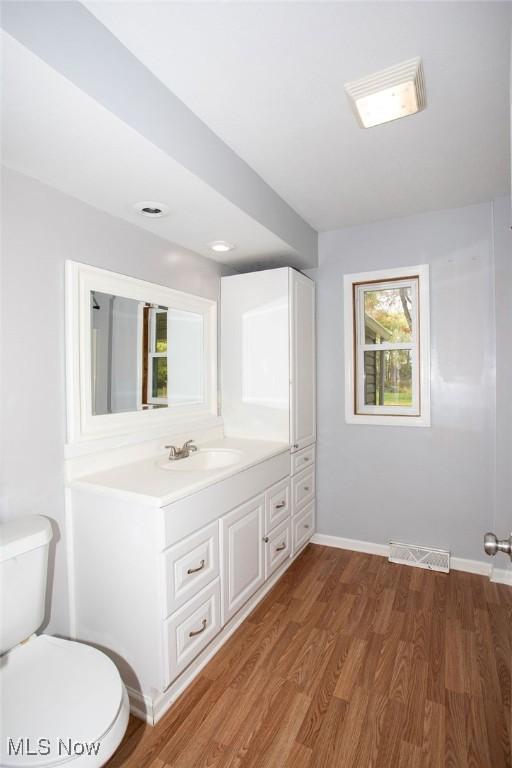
389	94
151	209
221	246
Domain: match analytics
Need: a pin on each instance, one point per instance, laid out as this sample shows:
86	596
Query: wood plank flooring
349	661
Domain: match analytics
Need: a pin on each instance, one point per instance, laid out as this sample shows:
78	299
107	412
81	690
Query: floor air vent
421	557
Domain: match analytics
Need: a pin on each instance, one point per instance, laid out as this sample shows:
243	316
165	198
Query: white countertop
144	481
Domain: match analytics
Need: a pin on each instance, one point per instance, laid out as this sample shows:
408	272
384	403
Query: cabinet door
303	361
242	555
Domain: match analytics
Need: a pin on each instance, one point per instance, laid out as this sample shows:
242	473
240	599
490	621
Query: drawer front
303	527
303	486
277	504
278	548
189	566
190	630
303	459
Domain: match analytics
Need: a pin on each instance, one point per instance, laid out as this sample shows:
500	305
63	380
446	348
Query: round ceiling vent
151	209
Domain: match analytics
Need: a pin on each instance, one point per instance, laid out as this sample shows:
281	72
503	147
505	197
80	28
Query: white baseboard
369	547
498	575
502	576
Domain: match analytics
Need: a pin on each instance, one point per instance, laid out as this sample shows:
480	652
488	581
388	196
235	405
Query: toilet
63	702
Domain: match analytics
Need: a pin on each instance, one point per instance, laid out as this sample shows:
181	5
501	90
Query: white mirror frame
82	425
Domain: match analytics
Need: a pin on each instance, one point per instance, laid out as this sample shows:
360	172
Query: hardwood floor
349	661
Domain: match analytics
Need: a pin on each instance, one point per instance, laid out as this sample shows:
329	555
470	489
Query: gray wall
42	228
433	486
503	297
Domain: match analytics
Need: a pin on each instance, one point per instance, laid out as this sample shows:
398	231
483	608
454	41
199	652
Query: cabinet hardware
306	458
281	547
306	525
265	539
306	487
295	445
281	505
198	631
199	568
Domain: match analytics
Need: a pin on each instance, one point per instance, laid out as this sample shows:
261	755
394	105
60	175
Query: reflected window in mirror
143	355
154	352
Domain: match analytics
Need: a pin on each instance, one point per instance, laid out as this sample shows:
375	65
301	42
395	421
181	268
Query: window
156	380
387	361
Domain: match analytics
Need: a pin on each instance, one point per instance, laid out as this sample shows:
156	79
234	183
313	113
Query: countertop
144	481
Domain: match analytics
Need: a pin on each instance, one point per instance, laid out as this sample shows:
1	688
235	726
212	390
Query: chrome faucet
181	453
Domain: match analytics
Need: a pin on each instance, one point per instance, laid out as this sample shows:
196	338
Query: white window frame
84	429
152	354
356	412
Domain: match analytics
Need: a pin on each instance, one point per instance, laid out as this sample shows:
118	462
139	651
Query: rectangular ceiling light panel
389	94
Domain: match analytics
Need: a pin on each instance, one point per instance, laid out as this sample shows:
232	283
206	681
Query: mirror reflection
143	355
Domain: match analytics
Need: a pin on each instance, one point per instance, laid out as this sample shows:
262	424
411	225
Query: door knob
493	545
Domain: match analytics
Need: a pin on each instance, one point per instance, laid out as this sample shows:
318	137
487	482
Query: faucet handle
189	446
172	450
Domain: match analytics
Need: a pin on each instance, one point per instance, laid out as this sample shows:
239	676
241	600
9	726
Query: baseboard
502	576
368	547
498	575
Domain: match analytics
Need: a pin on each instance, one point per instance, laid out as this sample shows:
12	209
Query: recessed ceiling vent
151	209
389	94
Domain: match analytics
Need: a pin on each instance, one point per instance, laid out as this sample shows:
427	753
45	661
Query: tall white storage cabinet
268	373
268	356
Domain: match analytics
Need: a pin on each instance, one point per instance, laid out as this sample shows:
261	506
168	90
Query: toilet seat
58	697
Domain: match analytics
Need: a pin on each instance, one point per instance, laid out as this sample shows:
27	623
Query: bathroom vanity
166	557
166	564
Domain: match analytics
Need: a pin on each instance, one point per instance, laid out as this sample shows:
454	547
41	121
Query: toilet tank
23	569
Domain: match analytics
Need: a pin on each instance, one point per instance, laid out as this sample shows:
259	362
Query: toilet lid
58	698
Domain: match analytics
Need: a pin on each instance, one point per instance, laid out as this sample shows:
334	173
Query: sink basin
204	460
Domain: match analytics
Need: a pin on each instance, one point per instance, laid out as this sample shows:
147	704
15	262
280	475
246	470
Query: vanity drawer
278	548
303	527
303	488
303	459
190	630
277	504
190	565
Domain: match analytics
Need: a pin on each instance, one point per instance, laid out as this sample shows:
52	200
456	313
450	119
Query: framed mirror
139	355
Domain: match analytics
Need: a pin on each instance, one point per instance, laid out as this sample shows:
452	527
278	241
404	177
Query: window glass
388	378
388	315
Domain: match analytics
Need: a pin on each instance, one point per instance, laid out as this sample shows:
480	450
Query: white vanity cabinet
268	356
161	587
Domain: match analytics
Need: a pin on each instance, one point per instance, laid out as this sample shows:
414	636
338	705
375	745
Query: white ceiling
54	132
268	79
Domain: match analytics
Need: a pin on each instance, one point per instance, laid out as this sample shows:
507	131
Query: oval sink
203	460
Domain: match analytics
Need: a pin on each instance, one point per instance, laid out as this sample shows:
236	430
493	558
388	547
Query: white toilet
62	702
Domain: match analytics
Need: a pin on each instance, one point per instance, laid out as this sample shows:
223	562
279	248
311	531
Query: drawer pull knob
306	458
199	568
198	631
265	539
306	487
295	445
306	525
281	547
281	505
